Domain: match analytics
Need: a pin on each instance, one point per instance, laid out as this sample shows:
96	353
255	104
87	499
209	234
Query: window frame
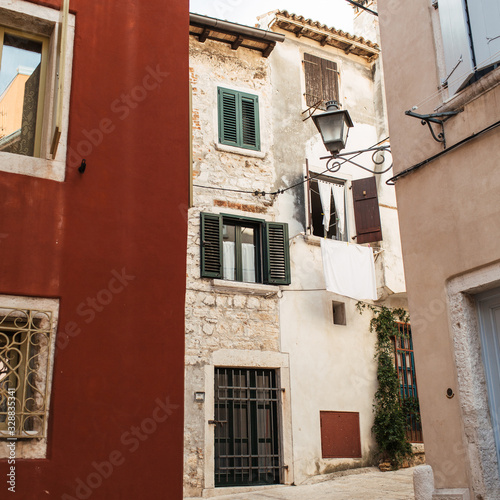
34	20
272	256
257	227
44	40
313	177
239	120
462	24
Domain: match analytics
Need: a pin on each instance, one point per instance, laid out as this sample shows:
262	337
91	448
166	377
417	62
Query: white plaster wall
332	367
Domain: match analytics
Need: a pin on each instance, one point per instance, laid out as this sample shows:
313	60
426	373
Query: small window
23	70
238	119
244	249
405	367
322	82
339	313
25	346
327	214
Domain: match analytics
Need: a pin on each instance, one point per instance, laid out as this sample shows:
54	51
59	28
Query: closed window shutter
211	246
330	80
228	117
312	69
322	83
250	121
456	44
277	254
238	119
366	210
484	19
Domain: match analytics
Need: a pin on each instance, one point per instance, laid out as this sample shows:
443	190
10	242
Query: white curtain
325	194
229	260
338	197
248	262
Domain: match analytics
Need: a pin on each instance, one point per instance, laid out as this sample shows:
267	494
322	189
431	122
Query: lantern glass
334	128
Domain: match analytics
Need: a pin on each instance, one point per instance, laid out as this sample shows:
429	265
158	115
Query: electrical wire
281	191
405	172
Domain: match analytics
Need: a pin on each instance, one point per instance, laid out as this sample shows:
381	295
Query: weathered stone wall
220	319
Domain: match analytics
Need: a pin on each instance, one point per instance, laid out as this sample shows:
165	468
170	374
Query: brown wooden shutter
340	436
330	80
366	210
322	83
312	69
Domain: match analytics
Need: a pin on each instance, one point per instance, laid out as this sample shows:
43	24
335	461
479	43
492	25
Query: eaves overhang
325	35
233	34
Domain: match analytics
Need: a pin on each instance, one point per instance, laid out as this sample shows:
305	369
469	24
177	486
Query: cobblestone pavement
367	484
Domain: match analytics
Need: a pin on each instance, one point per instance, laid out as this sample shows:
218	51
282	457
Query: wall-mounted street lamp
334	125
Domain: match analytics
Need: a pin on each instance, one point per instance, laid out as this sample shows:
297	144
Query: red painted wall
125	216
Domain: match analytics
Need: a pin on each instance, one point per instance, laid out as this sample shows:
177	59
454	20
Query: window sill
316	240
239	151
241	287
34	167
472	92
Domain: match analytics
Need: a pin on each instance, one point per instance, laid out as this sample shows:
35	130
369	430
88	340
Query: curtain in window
248	262
229	260
325	194
338	198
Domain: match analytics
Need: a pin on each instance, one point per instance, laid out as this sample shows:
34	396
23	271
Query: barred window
25	367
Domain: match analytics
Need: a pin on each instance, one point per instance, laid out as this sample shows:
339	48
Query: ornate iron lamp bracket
439	119
335	161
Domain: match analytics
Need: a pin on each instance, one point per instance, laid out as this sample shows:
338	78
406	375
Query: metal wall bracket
437	118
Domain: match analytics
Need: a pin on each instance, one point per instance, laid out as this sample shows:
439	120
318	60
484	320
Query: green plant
390	422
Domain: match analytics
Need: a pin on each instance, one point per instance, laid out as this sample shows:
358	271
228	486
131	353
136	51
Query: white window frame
40	20
471	39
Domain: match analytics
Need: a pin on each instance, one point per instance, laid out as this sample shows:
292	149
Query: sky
334	13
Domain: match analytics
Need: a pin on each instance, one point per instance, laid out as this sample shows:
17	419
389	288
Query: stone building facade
269	358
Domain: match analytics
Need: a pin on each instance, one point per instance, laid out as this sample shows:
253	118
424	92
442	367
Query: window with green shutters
238	119
244	249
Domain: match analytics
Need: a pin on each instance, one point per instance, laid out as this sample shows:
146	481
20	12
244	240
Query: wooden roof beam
325	40
300	31
349	49
204	35
235	45
268	49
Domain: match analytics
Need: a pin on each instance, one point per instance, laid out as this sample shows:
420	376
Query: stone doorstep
230	491
320	478
451	494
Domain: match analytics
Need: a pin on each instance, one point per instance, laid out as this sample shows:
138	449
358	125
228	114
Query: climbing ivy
390	423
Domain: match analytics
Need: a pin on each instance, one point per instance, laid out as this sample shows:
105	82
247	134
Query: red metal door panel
340	435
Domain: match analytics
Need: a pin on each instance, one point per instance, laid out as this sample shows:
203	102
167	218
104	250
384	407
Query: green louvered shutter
211	246
238	119
250	121
228	117
277	254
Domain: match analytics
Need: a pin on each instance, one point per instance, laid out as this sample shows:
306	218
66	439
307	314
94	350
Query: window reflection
19	86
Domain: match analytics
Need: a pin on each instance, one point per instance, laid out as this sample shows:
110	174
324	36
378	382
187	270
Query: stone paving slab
371	485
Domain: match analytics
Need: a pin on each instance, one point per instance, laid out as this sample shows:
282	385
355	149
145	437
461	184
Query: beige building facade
440	59
279	371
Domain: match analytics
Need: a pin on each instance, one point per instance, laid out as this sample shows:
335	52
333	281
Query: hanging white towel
349	269
338	198
325	194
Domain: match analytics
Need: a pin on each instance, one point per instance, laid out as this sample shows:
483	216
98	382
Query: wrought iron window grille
25	362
